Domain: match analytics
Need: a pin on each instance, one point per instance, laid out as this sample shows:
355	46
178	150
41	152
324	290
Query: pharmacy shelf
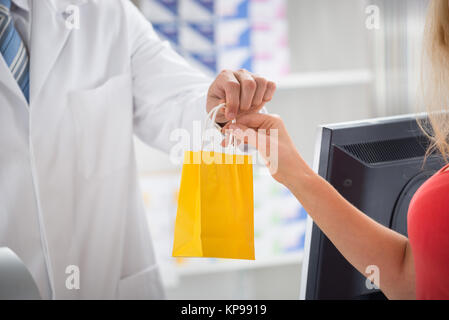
196	267
325	79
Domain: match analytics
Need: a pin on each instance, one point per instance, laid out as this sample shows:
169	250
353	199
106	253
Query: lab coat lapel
49	35
8	81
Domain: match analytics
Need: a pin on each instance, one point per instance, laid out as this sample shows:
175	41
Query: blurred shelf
198	266
325	79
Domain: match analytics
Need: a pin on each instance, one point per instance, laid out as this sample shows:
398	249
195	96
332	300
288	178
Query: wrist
299	174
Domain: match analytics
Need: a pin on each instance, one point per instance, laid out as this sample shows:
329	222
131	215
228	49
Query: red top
428	230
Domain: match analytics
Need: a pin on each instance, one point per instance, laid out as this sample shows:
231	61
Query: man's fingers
231	87
248	88
242	92
269	93
262	85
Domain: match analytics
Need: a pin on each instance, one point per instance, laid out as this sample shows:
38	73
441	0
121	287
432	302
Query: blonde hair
435	77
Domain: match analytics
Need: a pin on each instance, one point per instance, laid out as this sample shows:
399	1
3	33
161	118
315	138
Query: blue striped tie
13	49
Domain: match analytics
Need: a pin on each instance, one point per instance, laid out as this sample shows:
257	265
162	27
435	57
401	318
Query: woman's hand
268	134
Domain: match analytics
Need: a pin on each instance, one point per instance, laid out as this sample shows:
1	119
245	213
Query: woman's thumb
253	120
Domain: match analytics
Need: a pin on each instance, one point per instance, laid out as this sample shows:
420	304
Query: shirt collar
22	4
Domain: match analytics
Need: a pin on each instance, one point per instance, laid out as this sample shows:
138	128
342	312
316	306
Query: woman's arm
361	240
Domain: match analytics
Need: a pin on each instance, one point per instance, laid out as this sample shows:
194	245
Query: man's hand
242	91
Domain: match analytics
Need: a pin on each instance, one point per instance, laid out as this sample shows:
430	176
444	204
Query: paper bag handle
211	118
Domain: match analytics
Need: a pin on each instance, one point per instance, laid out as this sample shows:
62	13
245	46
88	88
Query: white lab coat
69	193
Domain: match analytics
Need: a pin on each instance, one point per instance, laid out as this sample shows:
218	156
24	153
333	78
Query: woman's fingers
244	134
261	131
259	139
241	133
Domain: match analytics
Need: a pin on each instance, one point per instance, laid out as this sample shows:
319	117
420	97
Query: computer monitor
377	165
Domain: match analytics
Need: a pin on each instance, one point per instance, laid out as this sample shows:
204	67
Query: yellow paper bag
215	216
